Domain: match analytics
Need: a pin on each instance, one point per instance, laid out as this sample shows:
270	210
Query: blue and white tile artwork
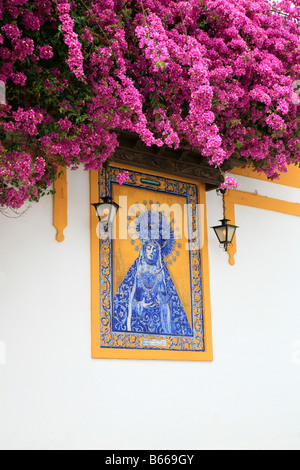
147	300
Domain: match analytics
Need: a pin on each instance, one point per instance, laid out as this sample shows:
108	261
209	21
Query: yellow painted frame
106	353
234	197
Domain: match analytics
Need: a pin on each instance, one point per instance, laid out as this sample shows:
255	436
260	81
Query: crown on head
149	224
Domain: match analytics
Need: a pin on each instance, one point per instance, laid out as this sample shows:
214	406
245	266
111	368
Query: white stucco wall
54	396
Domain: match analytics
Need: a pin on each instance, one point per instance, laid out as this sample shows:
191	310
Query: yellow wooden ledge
291	178
60	204
254	200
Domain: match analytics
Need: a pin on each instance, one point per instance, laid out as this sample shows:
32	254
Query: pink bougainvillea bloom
19	78
87	35
12	31
229	183
46	52
122	177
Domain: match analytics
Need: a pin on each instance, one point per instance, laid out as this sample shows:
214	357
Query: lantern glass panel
103	212
113	212
221	233
231	232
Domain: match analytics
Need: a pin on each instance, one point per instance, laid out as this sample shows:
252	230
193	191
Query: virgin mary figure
147	300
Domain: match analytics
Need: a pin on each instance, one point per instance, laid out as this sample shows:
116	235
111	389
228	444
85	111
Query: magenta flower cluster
75	59
122	177
229	183
214	76
46	52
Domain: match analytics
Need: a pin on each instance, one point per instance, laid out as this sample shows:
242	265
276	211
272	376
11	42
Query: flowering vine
229	183
214	76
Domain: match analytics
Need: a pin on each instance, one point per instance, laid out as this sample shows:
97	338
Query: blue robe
149	305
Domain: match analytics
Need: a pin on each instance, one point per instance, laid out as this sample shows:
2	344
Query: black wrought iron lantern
106	209
225	232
